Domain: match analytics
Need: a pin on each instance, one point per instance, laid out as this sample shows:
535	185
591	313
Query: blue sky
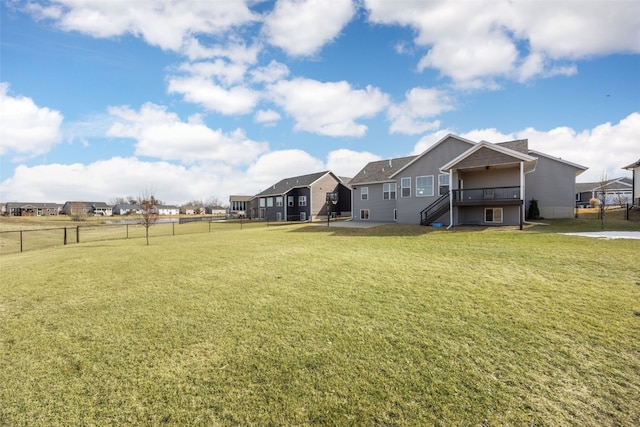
195	100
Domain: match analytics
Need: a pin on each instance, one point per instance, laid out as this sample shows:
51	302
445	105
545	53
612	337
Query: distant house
635	182
457	181
126	209
32	209
87	208
617	191
167	210
215	210
238	205
302	198
190	210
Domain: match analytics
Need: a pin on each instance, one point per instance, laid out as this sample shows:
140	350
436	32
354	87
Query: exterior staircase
435	210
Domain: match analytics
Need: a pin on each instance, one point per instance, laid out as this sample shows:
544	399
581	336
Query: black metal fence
28	240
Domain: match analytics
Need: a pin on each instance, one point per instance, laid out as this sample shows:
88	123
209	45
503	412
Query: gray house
635	182
457	181
32	209
87	208
302	198
616	191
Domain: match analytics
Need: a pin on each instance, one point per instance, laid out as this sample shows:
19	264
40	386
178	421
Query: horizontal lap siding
380	210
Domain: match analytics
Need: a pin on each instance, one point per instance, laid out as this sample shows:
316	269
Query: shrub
533	212
594	201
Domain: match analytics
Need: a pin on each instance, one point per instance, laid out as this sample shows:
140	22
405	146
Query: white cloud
328	108
268	117
200	90
605	148
163	135
276	165
271	73
226	73
347	163
476	43
408	117
168	24
26	130
302	27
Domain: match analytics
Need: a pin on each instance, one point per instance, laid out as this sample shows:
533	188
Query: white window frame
303	216
403	186
426	194
263	202
364	214
290	201
302	200
278	216
440	184
269	202
493	215
389	190
279	201
364	193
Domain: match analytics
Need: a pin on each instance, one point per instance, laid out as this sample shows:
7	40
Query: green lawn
304	324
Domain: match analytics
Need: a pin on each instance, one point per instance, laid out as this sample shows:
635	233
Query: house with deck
303	198
635	182
457	181
32	209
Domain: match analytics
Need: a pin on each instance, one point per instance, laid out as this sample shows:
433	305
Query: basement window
493	215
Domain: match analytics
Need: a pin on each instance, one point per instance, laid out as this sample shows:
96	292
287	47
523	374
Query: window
269	202
290	201
279	201
395	214
302	200
303	216
364	193
493	215
263	202
364	214
405	183
424	186
278	216
389	191
443	184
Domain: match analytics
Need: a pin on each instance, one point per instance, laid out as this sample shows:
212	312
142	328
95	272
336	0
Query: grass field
309	325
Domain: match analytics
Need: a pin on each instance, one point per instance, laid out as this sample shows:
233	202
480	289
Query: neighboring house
32	209
190	210
167	210
635	182
239	205
126	209
302	198
457	181
87	208
215	210
617	191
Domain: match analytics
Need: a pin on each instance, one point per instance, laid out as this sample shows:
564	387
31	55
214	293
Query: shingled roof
285	185
380	171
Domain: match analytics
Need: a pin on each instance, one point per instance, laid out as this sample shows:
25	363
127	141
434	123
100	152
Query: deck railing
486	194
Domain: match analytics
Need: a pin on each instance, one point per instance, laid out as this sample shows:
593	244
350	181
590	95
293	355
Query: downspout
522	216
450	199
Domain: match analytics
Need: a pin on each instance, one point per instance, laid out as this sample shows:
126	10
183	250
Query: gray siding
380	210
474	215
409	207
552	184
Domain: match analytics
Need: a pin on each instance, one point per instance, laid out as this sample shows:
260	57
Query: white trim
432	186
490	146
493	215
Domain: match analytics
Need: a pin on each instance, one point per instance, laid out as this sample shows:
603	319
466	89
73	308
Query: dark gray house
302	198
32	209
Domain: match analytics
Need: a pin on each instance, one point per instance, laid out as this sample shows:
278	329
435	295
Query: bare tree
78	211
149	212
602	196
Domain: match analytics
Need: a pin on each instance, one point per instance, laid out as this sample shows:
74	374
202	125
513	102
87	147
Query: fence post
209	226
78	234
127	225
173	228
20	241
65	236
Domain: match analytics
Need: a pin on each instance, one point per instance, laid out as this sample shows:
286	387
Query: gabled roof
236	198
287	184
32	205
579	168
487	145
615	184
380	170
633	165
425	152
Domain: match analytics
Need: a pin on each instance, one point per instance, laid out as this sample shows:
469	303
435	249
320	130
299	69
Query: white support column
451	197
522	190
